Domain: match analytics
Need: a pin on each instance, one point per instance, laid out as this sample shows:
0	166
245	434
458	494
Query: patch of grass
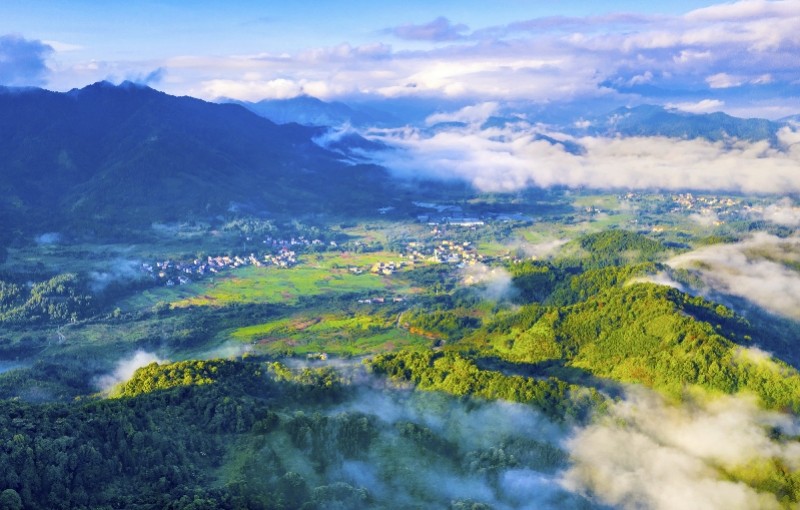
271	285
608	202
335	334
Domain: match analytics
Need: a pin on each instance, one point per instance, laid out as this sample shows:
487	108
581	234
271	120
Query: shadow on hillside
553	368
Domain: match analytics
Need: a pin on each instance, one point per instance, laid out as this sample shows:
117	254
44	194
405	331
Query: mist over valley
445	256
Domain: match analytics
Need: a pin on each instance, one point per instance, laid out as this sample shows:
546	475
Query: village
284	254
442	252
280	253
170	272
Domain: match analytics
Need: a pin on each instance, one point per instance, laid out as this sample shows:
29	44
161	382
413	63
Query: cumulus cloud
649	454
746	10
125	369
577	57
758	270
723	81
507	429
228	350
518	156
439	29
253	89
545	60
22	61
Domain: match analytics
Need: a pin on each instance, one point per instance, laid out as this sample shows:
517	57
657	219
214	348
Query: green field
329	275
340	334
270	285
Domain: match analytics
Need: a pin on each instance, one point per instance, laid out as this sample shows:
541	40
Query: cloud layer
758	270
740	56
649	454
519	155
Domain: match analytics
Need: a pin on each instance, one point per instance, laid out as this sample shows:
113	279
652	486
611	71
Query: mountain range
106	156
643	120
310	111
650	120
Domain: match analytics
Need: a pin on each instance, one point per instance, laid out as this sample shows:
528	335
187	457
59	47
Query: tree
10	500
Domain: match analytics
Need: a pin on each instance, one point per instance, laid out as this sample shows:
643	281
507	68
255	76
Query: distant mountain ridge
107	155
643	120
310	111
652	120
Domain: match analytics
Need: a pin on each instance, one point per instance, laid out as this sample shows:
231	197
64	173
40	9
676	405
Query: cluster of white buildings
170	272
443	252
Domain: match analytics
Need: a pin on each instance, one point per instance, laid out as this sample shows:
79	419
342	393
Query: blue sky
740	57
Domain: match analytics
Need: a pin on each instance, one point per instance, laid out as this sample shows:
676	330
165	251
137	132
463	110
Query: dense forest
442	395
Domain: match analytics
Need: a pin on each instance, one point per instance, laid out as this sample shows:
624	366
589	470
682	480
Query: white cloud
469	114
63	47
764	79
660	278
544	60
705	218
253	90
746	10
702	106
494	282
511	158
723	81
125	369
542	250
756	270
649	454
783	212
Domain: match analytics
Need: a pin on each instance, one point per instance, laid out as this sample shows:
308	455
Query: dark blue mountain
310	111
792	120
649	120
107	156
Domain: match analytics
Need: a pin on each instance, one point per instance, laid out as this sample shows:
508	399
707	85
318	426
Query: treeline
248	434
591	263
618	247
458	375
442	325
158	443
643	333
148	452
62	298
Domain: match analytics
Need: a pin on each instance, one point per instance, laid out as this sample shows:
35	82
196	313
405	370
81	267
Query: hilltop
104	157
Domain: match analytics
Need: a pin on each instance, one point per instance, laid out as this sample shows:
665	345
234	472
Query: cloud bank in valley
759	270
519	155
650	454
522	444
784	212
